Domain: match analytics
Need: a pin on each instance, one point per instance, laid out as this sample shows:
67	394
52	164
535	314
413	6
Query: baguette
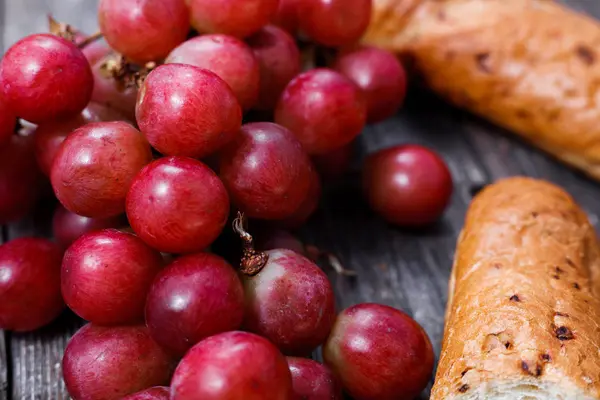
531	66
523	319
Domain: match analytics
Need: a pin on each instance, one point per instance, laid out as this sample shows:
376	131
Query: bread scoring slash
523	316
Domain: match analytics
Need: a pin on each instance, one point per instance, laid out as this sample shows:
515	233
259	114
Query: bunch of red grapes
146	142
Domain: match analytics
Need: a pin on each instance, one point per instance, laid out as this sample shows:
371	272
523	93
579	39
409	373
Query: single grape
68	227
197	296
177	120
106	276
29	284
313	381
95	166
308	206
49	135
231	17
20	178
323	108
96	51
336	163
379	353
154	393
229	58
266	171
45	77
109	363
334	23
8	121
279	59
177	205
407	185
244	365
380	76
290	302
109	92
287	16
143	30
279	239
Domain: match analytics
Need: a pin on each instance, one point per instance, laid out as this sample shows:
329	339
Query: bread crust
532	66
523	315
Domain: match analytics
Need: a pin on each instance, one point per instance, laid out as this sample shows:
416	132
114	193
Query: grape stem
90	39
315	254
252	261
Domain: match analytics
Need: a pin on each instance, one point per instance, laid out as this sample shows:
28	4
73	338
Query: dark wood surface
405	269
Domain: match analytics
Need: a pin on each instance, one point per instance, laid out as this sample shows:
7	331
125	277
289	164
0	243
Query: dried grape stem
90	39
252	261
124	72
315	254
61	29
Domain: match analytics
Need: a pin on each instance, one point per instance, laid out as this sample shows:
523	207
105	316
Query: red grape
106	276
108	363
45	77
29	284
279	59
232	17
280	239
154	393
68	227
290	302
381	77
49	135
232	366
109	92
96	51
287	16
408	185
266	171
197	296
229	58
178	121
95	165
336	163
177	205
323	108
334	23
143	30
20	178
308	206
8	121
379	353
313	381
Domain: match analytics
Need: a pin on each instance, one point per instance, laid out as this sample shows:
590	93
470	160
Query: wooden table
405	269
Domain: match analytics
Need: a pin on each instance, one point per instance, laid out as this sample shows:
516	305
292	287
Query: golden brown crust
531	66
523	304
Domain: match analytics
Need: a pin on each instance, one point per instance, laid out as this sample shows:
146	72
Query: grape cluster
189	111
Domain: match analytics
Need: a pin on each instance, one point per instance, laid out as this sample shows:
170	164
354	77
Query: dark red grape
313	381
154	393
8	121
379	353
49	135
109	92
336	163
20	178
178	121
45	77
197	296
231	17
95	166
334	23
229	58
106	276
407	185
323	108
279	59
266	171
177	205
108	363
29	284
232	365
279	239
380	76
290	302
143	30
287	16
68	227
308	206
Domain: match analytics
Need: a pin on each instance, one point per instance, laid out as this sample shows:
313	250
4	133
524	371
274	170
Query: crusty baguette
523	316
532	66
